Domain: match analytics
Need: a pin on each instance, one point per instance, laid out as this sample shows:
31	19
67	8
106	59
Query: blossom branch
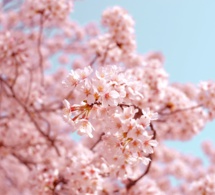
32	118
59	180
23	161
133	182
7	177
180	110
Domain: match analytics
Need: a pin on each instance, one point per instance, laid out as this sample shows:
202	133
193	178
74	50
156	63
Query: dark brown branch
59	180
133	182
153	130
23	161
95	144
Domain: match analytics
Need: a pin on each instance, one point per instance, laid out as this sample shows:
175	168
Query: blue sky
183	30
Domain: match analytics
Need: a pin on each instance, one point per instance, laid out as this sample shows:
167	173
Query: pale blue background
183	30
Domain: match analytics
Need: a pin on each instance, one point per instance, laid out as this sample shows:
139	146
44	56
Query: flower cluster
104	88
121	28
104	97
13	48
205	185
119	43
179	113
207	97
51	10
125	112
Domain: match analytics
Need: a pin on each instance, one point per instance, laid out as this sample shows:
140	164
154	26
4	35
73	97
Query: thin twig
39	47
32	118
93	60
1	95
29	86
16	74
95	144
180	110
133	182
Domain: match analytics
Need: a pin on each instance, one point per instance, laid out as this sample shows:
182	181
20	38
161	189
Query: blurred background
183	30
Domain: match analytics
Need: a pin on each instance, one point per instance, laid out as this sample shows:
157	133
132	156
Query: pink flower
88	92
100	85
150	115
84	127
84	73
136	132
72	79
143	121
109	98
148	143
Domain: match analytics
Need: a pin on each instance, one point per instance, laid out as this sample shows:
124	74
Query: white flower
110	98
72	79
150	115
84	127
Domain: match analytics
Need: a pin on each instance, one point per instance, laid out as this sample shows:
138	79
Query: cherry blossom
119	102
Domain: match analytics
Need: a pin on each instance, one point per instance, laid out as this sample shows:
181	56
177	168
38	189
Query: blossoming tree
118	100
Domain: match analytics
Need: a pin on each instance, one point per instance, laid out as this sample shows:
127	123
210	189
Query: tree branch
39	47
32	118
133	182
180	110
